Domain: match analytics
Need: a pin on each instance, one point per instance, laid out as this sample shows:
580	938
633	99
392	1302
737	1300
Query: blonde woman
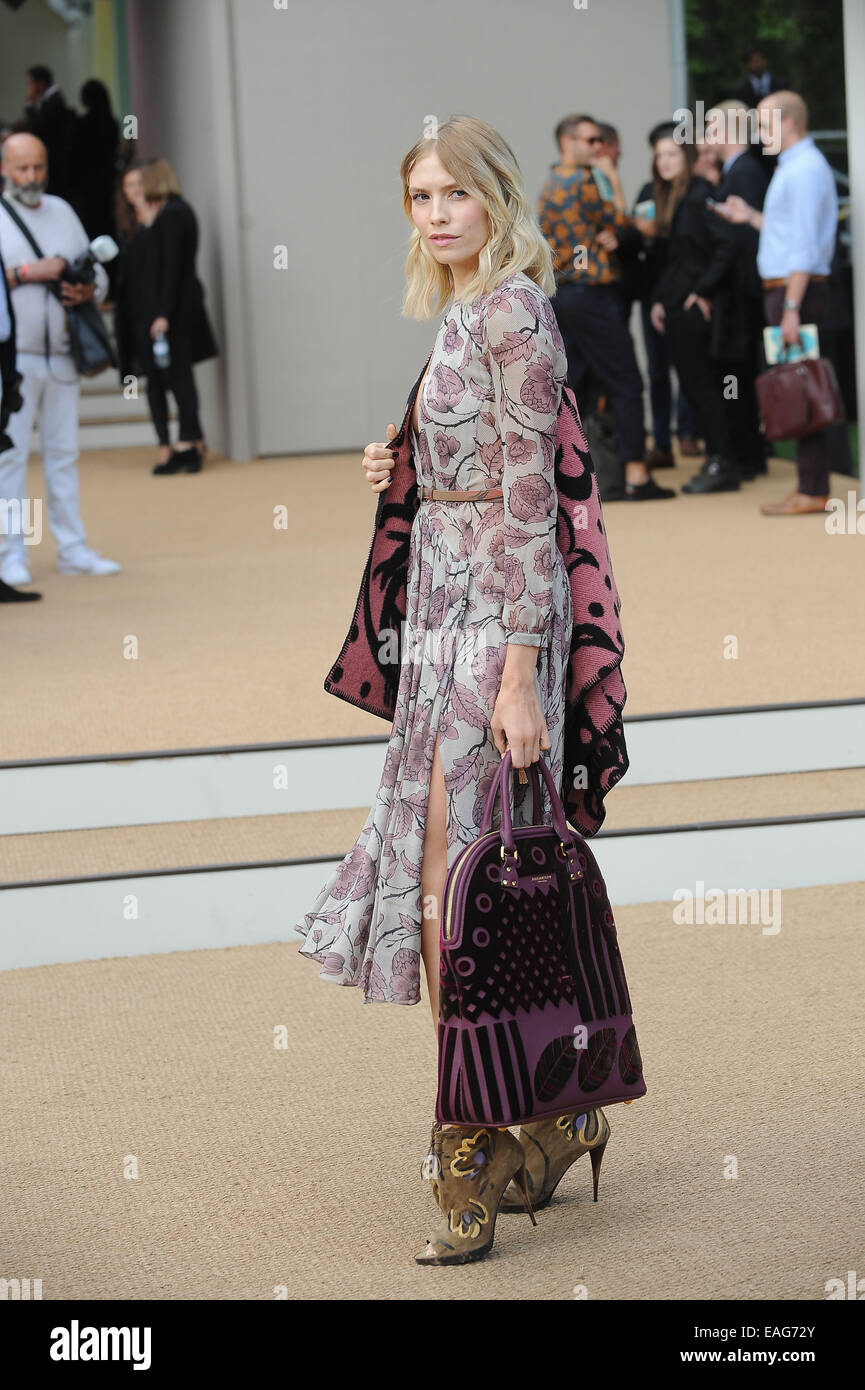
488	630
169	303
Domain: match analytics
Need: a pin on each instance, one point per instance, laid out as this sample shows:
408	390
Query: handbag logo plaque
534	1010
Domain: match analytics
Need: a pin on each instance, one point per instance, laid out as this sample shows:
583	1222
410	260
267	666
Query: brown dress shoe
689	447
660	458
795	505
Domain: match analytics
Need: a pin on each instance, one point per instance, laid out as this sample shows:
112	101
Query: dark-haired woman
690	243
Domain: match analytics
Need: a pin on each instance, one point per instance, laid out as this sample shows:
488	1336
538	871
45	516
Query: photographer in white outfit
50	382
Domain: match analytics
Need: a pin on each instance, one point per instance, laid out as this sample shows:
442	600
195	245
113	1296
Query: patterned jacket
571	212
595	756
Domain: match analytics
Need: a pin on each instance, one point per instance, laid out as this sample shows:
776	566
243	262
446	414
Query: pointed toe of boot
469	1170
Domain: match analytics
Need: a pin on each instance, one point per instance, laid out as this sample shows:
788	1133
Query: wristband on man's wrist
791	304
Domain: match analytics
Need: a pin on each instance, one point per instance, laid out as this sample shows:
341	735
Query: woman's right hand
657	315
377	462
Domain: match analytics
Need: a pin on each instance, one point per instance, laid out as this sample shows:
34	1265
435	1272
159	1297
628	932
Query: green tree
803	41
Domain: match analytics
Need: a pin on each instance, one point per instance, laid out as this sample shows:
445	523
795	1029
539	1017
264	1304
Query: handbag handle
501	781
487	820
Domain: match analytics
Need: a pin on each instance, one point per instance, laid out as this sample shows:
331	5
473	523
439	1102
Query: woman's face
706	162
132	190
669	159
454	225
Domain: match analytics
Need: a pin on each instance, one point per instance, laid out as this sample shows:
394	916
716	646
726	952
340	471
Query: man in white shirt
797	226
50	382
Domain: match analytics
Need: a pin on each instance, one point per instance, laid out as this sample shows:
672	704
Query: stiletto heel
550	1147
522	1183
596	1155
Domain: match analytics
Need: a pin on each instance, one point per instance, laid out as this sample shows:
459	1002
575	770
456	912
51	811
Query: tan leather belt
774	284
441	494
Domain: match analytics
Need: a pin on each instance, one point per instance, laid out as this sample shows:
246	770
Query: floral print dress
480	575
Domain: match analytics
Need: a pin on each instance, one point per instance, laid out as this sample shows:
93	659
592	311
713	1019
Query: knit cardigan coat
595	756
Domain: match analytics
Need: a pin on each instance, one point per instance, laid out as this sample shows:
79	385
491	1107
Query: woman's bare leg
433	874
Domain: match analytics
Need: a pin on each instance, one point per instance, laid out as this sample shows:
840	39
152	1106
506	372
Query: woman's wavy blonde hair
158	179
483	163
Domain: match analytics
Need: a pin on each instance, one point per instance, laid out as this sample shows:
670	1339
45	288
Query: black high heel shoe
183	460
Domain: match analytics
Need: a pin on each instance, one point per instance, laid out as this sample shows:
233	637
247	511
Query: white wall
313	107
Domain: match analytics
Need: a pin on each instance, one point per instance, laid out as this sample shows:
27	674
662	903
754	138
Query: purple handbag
534	1012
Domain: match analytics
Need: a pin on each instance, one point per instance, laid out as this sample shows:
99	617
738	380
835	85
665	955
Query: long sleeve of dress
527	365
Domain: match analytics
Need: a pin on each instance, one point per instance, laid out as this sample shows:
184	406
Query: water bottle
161	351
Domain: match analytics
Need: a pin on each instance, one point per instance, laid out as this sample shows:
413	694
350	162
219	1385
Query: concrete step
116	436
79	793
176	845
745	867
113	409
106	382
80	881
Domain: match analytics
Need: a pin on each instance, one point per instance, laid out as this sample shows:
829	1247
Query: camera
81	270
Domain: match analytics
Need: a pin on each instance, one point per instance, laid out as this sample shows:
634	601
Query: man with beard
49	379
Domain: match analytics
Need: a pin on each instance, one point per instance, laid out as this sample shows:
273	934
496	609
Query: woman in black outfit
133	231
695	251
162	295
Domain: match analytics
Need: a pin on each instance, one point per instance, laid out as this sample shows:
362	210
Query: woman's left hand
518	723
158	326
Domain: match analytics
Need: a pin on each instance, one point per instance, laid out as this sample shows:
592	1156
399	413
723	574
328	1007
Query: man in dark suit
760	82
10	401
737	298
47	115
